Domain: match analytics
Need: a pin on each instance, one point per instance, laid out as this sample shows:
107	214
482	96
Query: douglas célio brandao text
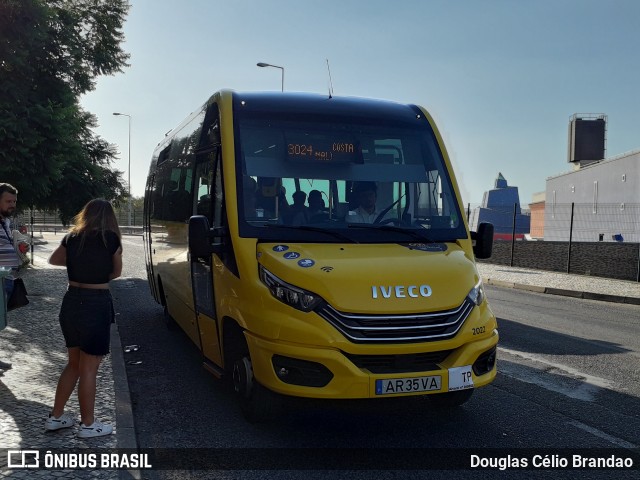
551	461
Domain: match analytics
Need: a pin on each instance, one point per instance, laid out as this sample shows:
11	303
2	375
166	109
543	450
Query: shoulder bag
18	297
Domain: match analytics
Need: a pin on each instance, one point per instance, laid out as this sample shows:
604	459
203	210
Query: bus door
201	267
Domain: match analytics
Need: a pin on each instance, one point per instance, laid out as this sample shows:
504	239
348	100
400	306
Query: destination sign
326	149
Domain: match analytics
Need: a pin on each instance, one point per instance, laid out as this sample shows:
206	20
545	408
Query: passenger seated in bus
317	210
204	205
283	204
366	195
297	213
316	202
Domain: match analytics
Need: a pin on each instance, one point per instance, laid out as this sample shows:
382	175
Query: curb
125	430
124	414
565	292
530	288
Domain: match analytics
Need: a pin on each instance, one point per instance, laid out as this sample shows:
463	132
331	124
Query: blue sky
501	78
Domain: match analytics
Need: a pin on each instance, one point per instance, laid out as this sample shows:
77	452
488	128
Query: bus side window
178	195
217	193
209	191
206	157
204	178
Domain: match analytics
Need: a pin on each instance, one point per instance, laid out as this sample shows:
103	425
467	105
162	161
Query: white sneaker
65	420
97	429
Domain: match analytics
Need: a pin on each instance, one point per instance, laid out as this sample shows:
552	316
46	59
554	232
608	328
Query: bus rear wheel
168	320
257	403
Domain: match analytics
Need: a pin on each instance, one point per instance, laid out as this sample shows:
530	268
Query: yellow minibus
316	246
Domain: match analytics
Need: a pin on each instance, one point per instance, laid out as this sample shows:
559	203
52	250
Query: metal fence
577	222
592	222
123	217
47	220
590	239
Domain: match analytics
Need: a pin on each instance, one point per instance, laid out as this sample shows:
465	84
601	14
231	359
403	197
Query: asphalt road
569	378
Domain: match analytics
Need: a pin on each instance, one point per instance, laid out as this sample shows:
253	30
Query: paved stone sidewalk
579	286
33	343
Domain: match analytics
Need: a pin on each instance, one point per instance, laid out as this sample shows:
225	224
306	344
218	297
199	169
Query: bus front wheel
257	403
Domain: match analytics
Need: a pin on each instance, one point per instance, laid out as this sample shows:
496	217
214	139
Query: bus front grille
423	327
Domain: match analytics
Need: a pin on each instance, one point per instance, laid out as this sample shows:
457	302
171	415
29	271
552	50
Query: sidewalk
578	286
34	344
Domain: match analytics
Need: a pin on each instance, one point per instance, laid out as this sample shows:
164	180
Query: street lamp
129	168
262	64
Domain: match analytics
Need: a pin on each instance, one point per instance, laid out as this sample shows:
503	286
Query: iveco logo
400	291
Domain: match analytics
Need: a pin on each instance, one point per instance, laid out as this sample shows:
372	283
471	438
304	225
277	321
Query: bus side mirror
200	238
483	246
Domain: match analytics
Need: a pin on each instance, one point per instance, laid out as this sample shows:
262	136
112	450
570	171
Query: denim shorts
85	317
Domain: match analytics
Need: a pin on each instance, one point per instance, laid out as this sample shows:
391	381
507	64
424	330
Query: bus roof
306	103
293	102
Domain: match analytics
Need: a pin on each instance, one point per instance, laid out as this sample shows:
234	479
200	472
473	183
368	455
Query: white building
606	199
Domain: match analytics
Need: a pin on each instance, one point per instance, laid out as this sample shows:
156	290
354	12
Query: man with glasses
8	199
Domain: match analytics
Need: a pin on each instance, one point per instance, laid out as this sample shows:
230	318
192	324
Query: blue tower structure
498	208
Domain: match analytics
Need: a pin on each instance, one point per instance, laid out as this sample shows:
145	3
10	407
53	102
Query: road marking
599	433
585	387
564	380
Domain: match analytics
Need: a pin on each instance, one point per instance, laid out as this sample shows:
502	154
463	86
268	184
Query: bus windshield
343	174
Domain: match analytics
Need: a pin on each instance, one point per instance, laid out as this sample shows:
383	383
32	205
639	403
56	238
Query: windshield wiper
390	228
307	228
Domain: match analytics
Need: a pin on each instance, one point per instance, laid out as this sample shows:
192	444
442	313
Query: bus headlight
293	296
476	295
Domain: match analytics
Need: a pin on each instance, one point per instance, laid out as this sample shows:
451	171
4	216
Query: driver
366	194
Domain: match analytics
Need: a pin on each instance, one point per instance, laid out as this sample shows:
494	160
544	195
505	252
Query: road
569	378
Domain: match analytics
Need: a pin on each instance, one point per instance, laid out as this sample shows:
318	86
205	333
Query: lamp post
129	167
262	64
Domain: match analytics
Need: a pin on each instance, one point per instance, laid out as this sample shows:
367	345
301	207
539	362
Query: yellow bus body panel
273	328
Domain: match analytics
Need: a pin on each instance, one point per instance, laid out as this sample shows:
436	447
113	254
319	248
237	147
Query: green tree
51	52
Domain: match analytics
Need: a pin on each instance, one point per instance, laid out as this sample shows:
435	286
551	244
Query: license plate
460	378
390	386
